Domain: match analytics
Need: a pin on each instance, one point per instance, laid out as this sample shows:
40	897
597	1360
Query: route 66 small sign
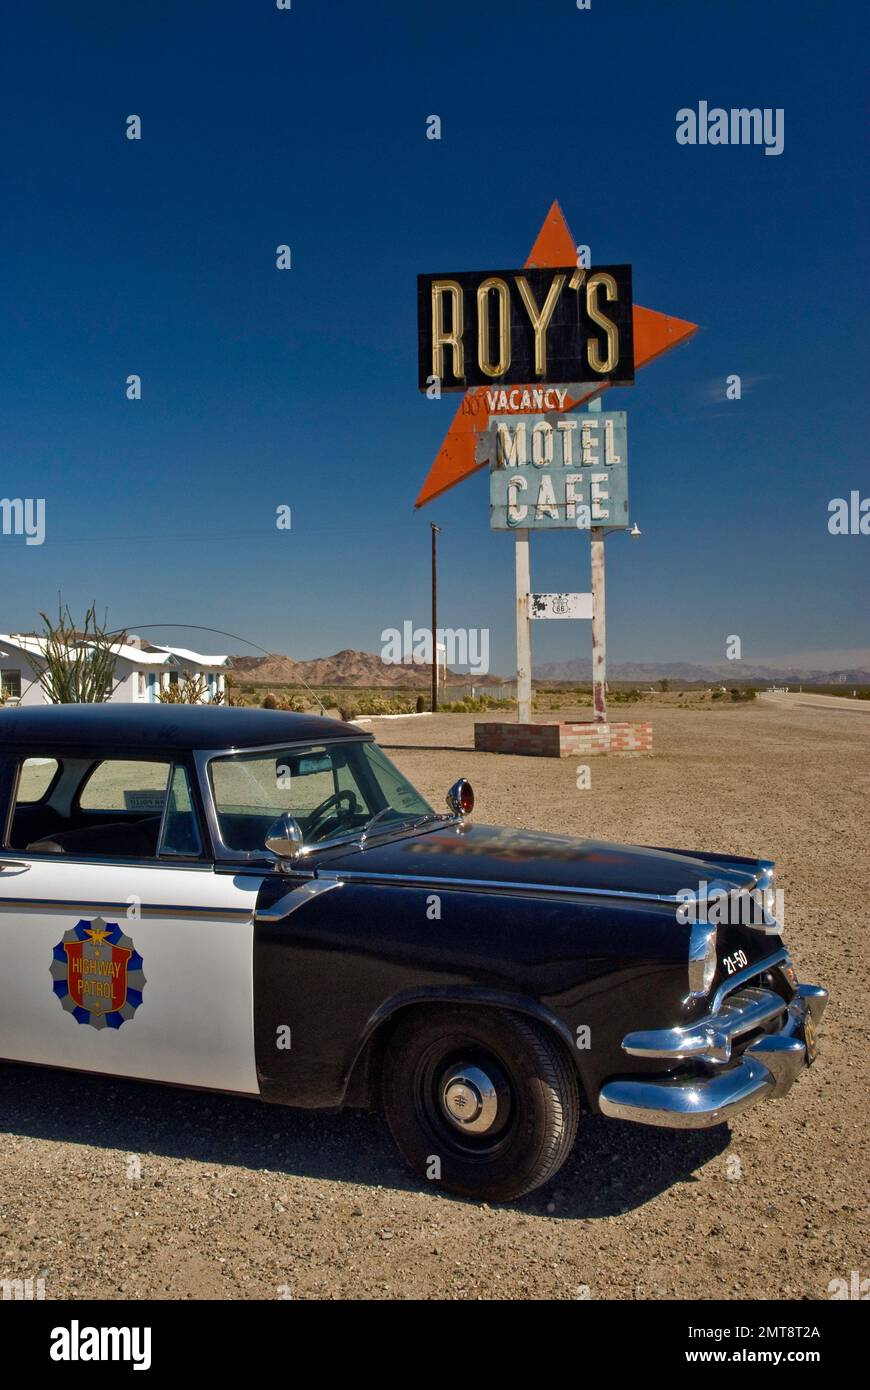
560	605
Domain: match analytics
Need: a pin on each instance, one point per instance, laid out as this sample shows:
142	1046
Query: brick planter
562	740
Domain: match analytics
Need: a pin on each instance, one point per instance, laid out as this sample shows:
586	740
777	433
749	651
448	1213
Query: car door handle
14	864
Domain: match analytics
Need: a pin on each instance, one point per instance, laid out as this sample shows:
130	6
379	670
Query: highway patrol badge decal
97	974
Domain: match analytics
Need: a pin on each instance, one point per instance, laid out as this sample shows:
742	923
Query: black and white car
260	903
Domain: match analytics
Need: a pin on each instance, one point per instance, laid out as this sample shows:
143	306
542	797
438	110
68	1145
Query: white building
142	670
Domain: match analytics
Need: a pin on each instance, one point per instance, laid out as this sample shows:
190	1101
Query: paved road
795	698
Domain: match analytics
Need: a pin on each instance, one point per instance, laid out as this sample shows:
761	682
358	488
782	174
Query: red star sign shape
654	333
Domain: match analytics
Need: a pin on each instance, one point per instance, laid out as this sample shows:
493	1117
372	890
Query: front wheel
480	1101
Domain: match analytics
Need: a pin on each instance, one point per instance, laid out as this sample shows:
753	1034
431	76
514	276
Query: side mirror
460	798
284	837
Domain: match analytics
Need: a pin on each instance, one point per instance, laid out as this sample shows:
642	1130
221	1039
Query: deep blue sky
263	387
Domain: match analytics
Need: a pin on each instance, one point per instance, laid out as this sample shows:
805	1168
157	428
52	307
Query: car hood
529	858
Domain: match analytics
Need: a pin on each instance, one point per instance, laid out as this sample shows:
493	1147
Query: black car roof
163	726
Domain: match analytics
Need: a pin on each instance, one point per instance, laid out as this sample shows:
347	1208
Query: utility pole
435	531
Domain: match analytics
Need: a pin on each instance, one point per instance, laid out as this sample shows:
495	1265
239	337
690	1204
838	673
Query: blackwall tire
481	1102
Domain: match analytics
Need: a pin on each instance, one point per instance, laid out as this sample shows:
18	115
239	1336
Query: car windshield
330	789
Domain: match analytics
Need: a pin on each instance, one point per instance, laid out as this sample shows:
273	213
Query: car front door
121	949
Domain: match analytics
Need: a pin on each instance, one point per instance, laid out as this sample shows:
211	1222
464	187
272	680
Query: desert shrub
190	690
475	706
377	704
270	700
78	664
623	697
385	704
421	704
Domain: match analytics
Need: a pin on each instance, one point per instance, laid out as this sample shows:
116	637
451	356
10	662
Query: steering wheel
317	817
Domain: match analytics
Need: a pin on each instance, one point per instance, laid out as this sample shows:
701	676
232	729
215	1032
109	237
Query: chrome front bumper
767	1068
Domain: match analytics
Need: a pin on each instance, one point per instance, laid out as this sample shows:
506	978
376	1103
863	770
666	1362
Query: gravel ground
124	1190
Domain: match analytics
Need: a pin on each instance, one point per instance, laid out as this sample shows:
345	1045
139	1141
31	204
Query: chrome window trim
11	804
45	857
231	749
170	773
171	857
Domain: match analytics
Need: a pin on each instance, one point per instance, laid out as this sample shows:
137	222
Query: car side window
28	785
125	785
117	813
180	832
114	810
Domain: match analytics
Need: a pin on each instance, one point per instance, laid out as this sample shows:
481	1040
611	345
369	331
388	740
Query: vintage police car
260	903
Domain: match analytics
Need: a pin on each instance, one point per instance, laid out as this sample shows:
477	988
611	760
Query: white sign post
524	630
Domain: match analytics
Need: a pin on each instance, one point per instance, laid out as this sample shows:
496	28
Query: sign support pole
599	638
599	642
524	627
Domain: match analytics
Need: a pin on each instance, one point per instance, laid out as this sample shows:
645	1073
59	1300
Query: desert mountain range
722	672
346	668
356	669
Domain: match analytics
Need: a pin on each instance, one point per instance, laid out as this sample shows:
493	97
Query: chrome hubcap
469	1099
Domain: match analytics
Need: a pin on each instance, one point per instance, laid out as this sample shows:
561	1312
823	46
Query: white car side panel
195	1024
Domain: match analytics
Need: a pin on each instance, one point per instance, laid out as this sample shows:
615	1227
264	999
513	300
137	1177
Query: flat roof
164	726
155	654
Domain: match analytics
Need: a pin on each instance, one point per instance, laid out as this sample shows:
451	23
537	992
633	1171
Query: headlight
702	959
766	890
